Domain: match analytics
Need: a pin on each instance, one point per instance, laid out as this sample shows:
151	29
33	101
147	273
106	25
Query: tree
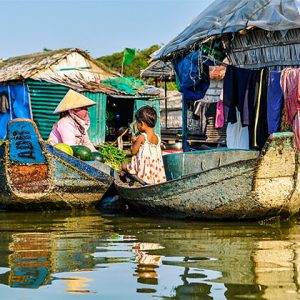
139	63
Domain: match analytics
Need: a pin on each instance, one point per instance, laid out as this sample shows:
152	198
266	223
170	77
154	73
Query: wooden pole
166	105
184	125
122	68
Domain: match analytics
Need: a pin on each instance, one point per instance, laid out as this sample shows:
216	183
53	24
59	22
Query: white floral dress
148	164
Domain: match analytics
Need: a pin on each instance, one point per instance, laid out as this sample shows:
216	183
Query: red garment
290	84
82	114
296	130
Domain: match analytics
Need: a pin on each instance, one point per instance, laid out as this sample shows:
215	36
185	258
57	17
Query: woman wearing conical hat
72	127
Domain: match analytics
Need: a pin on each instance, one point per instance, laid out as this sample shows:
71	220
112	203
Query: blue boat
35	175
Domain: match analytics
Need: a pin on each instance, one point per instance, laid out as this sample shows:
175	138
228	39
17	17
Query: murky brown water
67	256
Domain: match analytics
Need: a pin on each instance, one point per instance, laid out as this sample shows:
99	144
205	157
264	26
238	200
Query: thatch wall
258	48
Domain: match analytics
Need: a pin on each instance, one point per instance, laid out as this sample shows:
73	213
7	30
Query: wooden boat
34	175
224	184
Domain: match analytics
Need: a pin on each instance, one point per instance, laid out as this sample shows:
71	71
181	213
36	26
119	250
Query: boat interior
181	164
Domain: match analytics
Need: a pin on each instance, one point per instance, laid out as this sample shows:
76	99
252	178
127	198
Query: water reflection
130	258
52	245
146	264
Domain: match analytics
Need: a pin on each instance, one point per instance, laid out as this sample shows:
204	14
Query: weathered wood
34	175
224	184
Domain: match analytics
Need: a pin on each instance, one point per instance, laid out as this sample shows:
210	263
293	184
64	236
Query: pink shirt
290	84
219	123
66	131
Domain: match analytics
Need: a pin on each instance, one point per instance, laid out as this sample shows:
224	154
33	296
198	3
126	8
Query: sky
101	27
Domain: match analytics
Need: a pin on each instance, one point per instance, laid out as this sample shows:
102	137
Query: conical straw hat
73	100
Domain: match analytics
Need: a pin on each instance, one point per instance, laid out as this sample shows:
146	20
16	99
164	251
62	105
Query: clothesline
215	60
255	66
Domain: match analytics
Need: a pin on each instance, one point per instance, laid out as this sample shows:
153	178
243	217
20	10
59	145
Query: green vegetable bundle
113	156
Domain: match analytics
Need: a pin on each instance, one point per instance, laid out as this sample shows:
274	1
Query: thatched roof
70	67
223	17
27	66
259	48
159	69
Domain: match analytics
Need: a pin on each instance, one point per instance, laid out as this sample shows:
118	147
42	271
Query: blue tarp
193	75
17	96
223	17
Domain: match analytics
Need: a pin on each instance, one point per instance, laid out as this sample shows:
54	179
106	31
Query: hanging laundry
237	136
296	129
274	101
4	104
211	110
250	101
261	120
197	110
240	89
246	91
200	109
219	123
289	82
193	75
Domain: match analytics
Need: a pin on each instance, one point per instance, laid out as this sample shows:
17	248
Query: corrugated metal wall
98	118
46	96
153	103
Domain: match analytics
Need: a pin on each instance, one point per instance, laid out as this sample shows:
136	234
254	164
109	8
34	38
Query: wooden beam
184	125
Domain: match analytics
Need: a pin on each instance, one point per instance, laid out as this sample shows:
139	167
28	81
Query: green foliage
139	63
113	156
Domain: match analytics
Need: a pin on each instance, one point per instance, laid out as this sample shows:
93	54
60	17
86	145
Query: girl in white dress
146	162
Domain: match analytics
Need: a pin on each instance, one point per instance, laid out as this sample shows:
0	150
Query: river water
65	255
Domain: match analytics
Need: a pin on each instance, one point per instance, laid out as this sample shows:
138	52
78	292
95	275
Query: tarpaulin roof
159	69
233	15
132	86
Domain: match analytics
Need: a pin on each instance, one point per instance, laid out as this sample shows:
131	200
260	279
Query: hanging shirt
193	75
296	129
289	82
200	109
239	87
274	100
261	123
237	136
219	122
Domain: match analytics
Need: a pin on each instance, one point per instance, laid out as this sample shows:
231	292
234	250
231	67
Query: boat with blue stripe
35	175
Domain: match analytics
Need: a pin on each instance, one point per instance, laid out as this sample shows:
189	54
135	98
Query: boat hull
34	175
253	187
